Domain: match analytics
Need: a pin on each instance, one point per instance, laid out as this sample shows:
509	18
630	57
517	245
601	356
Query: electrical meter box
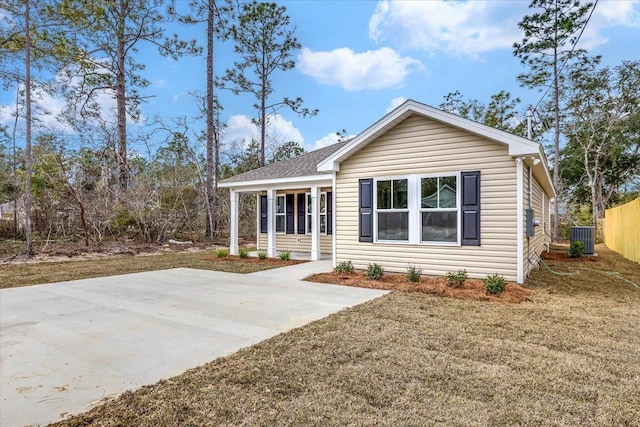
530	223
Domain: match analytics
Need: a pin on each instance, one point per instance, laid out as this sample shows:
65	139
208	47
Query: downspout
528	237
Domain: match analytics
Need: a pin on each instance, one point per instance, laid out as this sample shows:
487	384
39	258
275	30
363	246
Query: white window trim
284	214
457	209
307	229
408	209
415	209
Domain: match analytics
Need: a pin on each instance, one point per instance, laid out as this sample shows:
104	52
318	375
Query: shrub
243	253
285	255
375	271
262	255
413	273
576	250
456	279
222	253
495	284
345	267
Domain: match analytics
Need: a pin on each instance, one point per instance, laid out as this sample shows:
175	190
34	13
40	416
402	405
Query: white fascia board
324	180
518	146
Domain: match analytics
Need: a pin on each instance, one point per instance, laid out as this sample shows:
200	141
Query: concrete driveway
66	346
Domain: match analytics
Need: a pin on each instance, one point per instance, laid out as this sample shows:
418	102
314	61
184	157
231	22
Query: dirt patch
473	289
560	255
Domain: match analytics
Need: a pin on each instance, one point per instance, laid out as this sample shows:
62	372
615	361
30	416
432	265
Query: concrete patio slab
65	346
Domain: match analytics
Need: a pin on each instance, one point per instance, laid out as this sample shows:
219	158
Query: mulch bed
473	289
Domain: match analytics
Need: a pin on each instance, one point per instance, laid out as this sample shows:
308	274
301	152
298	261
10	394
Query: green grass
570	357
24	274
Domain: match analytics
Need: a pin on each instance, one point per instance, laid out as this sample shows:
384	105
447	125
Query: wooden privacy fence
622	229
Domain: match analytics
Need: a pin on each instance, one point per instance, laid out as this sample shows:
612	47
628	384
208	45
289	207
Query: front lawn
571	356
24	274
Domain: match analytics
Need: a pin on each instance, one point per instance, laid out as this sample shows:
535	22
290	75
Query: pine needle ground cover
569	356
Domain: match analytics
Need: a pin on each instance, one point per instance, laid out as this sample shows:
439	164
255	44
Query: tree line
87	183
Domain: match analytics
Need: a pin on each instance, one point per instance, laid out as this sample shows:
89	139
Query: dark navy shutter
290	213
263	214
301	214
471	208
365	213
329	212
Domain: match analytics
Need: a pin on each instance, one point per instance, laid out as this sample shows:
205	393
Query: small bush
495	284
576	250
375	271
243	253
262	255
344	267
222	253
413	273
457	279
285	255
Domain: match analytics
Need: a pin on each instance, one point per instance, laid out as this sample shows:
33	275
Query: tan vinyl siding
297	242
420	146
536	245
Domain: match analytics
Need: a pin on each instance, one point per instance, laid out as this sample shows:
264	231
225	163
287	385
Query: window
392	209
281	218
439	209
322	213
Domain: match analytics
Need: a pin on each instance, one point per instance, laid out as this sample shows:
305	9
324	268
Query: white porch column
271	223
233	223
315	223
520	220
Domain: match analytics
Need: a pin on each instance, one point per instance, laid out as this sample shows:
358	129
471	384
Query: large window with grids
439	208
392	209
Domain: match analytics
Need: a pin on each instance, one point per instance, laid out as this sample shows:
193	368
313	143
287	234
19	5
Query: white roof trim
279	183
517	145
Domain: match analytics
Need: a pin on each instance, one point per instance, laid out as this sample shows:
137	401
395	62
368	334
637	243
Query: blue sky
361	58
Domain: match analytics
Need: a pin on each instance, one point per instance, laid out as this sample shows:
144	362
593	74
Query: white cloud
374	69
45	110
609	14
470	28
240	129
328	139
395	102
466	28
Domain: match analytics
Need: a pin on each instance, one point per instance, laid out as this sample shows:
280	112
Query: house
419	187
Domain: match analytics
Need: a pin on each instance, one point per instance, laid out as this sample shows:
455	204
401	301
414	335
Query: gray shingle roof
302	165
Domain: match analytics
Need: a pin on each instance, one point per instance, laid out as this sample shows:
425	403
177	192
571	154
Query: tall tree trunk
263	113
27	84
556	138
15	163
123	173
211	141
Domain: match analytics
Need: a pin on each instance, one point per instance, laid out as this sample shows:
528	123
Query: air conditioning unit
587	235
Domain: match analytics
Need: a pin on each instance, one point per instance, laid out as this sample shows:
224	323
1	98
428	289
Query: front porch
298	219
294	205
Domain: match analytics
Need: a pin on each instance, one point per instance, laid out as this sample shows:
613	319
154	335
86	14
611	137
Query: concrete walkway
66	346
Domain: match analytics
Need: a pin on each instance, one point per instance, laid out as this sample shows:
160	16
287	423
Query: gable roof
518	146
316	165
304	165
